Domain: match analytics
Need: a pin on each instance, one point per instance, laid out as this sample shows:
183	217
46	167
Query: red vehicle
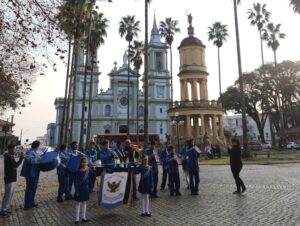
123	136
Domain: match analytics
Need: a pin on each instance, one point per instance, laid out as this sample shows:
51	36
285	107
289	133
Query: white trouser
145	203
80	207
187	177
8	195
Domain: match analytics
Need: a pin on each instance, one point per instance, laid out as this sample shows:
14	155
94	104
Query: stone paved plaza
272	198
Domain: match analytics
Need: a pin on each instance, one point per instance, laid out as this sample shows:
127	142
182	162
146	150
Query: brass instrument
136	148
81	153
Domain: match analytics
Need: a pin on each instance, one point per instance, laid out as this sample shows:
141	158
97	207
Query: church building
109	107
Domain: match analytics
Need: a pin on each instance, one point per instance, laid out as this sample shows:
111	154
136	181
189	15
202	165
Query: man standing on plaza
31	172
193	167
71	176
164	162
10	178
153	159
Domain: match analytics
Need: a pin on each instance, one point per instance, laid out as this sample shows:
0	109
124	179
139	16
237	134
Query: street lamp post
177	122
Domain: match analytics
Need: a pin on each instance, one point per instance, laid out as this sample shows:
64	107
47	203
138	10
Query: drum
73	164
49	161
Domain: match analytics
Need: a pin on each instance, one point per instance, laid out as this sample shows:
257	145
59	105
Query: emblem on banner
113	186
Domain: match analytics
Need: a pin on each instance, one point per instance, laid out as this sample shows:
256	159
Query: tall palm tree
218	33
146	110
129	28
97	35
272	35
296	5
241	82
167	29
259	17
136	53
71	18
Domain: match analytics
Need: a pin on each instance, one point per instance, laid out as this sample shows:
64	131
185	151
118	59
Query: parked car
267	144
293	145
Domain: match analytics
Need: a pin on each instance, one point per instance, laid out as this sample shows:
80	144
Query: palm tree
129	28
167	29
241	82
296	5
71	18
98	32
136	58
272	35
146	110
259	16
218	34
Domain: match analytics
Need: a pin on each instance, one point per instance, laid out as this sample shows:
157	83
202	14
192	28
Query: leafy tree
167	29
218	33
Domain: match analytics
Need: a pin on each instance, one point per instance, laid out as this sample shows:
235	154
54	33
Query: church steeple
155	38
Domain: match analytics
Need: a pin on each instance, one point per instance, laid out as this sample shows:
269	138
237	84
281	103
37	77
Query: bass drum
49	161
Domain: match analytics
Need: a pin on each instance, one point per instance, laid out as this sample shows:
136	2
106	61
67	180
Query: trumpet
81	153
136	148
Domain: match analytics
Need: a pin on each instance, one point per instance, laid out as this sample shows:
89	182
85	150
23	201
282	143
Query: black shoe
148	214
142	214
8	211
35	205
27	208
171	194
69	197
188	187
155	196
59	200
4	214
76	222
178	194
236	193
244	189
84	220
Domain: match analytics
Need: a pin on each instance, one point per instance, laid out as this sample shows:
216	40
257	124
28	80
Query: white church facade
109	108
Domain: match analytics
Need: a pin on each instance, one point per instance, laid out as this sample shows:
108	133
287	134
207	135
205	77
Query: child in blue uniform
62	173
92	157
173	172
145	185
82	190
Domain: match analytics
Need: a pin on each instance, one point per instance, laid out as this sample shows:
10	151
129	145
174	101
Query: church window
161	110
124	101
141	111
85	108
161	131
107	110
160	92
158	59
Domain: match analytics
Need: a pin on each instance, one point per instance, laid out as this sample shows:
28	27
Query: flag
115	189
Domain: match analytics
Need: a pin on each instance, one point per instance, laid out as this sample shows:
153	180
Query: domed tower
195	116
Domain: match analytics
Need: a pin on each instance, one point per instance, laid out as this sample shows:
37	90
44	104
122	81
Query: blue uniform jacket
91	155
184	157
193	164
172	164
61	169
106	158
151	158
146	181
30	166
164	157
72	153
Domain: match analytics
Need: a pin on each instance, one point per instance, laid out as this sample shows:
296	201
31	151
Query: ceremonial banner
115	189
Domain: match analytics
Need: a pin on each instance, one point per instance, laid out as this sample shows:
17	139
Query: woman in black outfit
236	165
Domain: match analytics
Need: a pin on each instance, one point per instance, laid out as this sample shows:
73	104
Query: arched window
141	111
107	110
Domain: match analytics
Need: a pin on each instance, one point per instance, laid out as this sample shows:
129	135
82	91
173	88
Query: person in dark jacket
193	167
62	174
173	172
10	178
31	171
145	185
82	190
92	157
164	163
236	164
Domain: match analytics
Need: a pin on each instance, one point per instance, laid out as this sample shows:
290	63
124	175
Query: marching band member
119	151
82	190
92	157
31	172
153	159
193	167
10	178
185	162
106	156
71	176
164	161
62	174
145	185
173	172
131	155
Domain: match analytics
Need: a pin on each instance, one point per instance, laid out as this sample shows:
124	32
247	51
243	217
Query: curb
256	163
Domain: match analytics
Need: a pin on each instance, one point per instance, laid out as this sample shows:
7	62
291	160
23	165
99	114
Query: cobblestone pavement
272	198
